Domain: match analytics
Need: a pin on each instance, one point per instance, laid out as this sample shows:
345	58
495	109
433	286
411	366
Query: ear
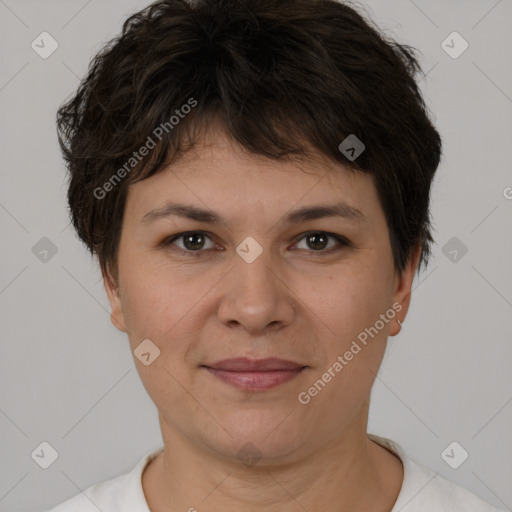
402	290
116	310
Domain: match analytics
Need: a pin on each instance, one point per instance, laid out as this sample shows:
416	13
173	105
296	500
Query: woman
254	177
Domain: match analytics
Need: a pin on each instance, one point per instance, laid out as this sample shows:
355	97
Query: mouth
255	374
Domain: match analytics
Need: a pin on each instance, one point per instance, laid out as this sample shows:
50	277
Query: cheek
348	300
164	305
162	312
350	305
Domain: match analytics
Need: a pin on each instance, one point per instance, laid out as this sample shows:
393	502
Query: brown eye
192	241
317	241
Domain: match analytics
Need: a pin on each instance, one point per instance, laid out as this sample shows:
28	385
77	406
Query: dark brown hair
282	76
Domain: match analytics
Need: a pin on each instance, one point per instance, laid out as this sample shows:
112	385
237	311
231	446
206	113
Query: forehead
220	175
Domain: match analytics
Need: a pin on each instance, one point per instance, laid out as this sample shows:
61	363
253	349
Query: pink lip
255	381
243	364
255	374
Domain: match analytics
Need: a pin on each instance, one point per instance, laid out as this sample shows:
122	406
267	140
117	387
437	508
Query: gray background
66	374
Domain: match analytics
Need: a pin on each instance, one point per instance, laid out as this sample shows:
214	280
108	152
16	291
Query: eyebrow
303	214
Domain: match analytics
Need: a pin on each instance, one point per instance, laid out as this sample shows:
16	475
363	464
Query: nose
256	296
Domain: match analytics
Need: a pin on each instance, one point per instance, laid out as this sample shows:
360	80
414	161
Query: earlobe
403	288
116	310
396	327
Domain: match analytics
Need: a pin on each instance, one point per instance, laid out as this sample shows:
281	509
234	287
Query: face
261	281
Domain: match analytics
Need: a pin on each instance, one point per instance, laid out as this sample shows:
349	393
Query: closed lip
244	364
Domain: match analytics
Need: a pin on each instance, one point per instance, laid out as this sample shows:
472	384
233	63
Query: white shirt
422	490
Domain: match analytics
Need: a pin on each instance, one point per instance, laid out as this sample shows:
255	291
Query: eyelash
343	242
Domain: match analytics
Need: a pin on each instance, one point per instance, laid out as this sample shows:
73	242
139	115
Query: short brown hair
275	73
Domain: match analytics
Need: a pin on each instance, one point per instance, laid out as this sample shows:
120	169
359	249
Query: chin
265	436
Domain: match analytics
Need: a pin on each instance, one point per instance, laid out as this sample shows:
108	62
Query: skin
295	301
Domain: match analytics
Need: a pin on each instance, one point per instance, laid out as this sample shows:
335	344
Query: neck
349	470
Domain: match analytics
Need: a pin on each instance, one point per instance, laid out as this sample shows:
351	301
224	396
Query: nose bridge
256	296
255	272
254	282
